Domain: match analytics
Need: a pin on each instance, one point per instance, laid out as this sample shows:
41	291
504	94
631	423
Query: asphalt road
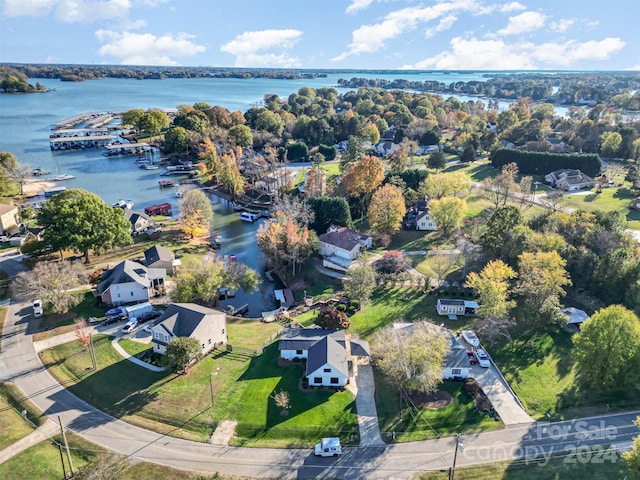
20	364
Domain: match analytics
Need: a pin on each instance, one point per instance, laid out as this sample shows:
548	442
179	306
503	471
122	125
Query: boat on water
248	217
64	176
38	172
151	166
123	204
471	338
165	183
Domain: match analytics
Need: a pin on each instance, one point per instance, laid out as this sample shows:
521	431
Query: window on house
334	380
223	331
166	338
203	346
118	295
298	352
456	371
132	294
317	379
327	370
209	341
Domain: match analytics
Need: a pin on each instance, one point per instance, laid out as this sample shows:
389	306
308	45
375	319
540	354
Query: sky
326	34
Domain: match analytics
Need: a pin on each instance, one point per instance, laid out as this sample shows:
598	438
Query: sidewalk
48	430
133	359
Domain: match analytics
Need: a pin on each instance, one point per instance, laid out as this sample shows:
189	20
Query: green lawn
42	461
556	469
541	370
421	423
14	399
478	170
610	199
12	426
136	349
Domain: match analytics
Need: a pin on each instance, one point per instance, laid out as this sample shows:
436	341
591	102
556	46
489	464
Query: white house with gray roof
129	282
340	246
327	353
207	325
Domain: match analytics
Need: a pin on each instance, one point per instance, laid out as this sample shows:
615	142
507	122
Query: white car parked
483	358
37	308
130	325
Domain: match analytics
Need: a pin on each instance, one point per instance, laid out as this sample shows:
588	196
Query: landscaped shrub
342	307
354	304
542	163
333	318
392	262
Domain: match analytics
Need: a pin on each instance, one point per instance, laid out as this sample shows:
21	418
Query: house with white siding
340	246
456	307
327	353
129	282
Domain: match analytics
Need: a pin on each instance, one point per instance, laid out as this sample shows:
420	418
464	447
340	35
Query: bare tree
19	173
103	467
83	332
553	199
444	262
491	328
294	207
283	401
53	282
499	188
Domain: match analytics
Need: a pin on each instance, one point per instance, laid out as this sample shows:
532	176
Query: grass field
421	423
133	347
12	426
558	468
610	199
541	370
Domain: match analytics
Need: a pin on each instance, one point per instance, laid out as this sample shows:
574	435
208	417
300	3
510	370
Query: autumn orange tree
386	210
285	243
362	178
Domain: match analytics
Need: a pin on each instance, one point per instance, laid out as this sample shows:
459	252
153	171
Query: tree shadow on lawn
311	425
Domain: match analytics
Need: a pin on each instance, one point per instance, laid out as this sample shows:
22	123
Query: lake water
26	122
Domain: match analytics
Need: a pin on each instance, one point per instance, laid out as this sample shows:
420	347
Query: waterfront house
129	282
456	307
190	320
340	246
569	180
456	363
9	219
139	221
327	353
161	257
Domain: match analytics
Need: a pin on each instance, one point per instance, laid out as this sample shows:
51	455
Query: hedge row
543	163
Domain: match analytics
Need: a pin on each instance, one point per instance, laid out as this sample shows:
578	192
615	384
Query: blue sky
340	34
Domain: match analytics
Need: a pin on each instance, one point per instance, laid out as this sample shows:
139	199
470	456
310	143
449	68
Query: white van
328	447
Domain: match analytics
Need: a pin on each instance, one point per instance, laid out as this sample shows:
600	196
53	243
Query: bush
333	318
342	307
354	304
392	262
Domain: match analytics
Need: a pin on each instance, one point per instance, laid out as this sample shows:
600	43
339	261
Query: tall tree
82	221
500	228
632	456
241	134
498	189
610	144
608	348
360	283
448	213
353	152
412	357
196	213
200	281
52	282
362	178
294	207
542	276
386	210
437	160
329	210
438	185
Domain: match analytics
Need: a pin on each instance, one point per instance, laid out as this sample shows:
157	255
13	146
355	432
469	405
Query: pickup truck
328	447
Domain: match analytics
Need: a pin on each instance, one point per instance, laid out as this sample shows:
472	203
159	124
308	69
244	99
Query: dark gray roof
129	271
158	253
295	338
360	348
181	319
133	216
343	238
327	351
572	177
457	356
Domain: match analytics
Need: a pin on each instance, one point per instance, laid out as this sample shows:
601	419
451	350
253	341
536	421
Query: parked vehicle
471	338
114	319
483	358
147	328
130	325
145	317
114	311
37	308
328	447
138	310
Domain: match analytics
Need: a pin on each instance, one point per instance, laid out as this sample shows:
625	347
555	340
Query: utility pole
459	447
92	352
66	445
64	470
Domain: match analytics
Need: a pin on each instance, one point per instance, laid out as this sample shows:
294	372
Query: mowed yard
181	405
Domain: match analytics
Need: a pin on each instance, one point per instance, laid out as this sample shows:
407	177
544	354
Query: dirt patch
435	400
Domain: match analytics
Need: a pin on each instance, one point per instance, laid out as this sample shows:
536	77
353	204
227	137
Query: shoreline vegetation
576	88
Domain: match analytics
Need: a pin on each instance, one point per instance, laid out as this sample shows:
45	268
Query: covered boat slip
126	149
88	141
80	132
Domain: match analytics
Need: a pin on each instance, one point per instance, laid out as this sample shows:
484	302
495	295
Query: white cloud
445	24
523	23
358	5
512	7
371	38
496	54
69	11
562	25
145	48
250	48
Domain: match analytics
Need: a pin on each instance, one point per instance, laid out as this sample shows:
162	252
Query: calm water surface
26	122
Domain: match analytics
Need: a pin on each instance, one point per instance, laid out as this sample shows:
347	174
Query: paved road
19	363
